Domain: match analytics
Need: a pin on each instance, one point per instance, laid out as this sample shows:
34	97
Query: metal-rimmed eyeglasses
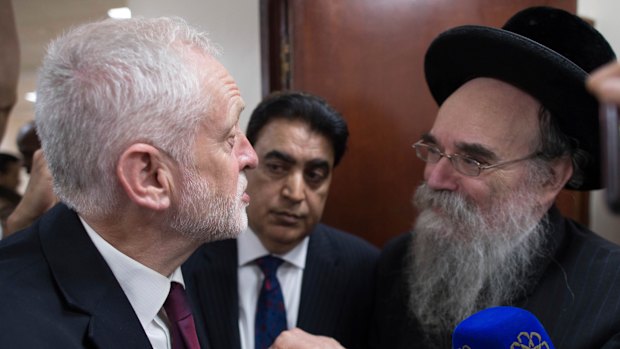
463	164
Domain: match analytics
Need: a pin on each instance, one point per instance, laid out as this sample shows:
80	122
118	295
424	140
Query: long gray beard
465	260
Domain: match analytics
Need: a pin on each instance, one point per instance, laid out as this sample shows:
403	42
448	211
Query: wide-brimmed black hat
544	51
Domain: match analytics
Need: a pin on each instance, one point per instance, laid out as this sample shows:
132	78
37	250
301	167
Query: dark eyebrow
477	150
314	163
468	149
318	163
428	138
275	154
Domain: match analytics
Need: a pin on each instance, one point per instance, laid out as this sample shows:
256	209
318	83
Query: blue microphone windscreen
501	328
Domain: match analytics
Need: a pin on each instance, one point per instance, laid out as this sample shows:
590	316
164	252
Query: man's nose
441	175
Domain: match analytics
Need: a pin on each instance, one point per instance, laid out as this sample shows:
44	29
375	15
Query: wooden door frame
275	54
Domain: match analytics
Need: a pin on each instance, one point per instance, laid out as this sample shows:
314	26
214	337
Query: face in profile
212	197
290	186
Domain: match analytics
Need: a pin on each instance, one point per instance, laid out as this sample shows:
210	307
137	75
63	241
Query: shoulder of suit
581	237
394	253
342	238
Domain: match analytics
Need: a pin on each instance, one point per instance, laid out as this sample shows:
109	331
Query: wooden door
366	58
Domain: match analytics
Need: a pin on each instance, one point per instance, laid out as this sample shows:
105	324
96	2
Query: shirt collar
145	288
250	248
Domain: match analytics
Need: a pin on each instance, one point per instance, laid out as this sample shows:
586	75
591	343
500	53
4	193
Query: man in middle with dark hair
325	275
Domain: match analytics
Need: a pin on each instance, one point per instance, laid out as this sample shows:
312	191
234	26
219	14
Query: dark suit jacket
336	295
56	290
574	291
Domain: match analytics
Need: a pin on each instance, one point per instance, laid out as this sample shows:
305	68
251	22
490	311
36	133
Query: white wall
604	13
233	24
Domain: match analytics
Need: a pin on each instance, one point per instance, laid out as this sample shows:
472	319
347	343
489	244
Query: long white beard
465	260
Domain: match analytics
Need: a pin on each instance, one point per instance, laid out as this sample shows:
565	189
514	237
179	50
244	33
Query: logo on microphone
532	340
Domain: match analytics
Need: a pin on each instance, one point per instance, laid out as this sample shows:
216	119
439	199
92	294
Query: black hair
294	105
6	160
10	195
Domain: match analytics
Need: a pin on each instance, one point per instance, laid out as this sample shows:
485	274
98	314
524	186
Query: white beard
205	215
465	260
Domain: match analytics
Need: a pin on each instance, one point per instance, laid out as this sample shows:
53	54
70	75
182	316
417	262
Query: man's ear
560	173
146	176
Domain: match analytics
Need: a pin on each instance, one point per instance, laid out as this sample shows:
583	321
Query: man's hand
604	83
38	198
298	339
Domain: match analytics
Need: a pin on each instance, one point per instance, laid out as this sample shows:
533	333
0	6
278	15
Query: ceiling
38	22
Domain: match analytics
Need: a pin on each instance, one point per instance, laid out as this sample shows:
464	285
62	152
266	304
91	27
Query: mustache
450	203
242	184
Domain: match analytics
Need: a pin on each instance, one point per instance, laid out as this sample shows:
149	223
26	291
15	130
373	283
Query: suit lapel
322	286
211	275
87	283
116	327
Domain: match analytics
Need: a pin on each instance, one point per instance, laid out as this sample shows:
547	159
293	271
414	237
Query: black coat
575	292
56	290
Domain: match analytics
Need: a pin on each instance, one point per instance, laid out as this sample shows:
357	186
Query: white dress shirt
145	288
250	280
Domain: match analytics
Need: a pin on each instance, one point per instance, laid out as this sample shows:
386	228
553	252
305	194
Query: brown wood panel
366	58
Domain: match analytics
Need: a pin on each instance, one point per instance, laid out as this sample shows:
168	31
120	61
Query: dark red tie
182	327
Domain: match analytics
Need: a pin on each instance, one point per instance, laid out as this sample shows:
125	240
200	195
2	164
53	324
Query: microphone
501	328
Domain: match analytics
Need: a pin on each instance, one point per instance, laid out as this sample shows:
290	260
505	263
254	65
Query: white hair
106	85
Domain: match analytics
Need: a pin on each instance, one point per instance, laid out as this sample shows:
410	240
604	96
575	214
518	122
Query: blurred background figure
9	199
9	62
9	74
28	142
38	195
10	166
9	171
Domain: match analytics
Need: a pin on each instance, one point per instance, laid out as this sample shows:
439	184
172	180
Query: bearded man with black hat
514	127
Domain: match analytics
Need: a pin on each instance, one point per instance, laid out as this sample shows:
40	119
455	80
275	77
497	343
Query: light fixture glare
119	12
31	96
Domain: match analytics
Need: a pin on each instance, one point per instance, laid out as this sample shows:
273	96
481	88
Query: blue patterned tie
270	311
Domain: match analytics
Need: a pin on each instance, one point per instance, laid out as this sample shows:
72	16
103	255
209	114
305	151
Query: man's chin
243	222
